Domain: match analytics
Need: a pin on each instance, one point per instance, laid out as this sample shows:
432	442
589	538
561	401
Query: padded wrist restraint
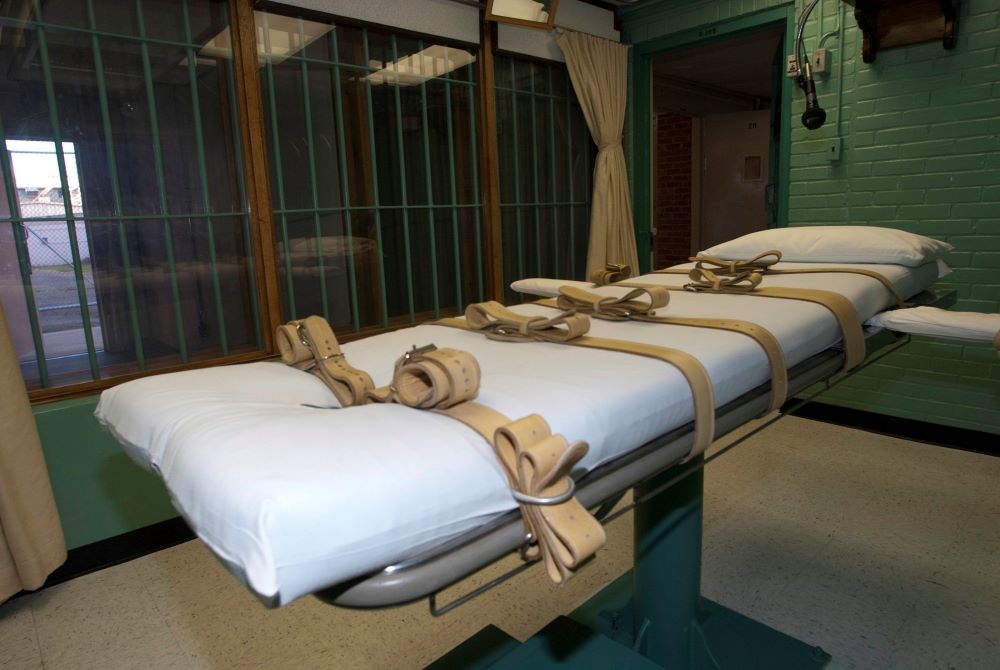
537	463
309	344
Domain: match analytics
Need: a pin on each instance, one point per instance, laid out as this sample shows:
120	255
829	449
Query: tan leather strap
610	308
611	272
747	274
483	318
313	335
499	323
881	278
841	308
540	463
627	307
996	341
536	462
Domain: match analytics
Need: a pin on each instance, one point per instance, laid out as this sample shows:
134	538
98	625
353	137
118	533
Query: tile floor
884	552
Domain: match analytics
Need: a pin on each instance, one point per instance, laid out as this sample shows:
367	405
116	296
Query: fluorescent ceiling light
285	36
434	61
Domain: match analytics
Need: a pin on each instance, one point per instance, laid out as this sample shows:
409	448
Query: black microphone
814	116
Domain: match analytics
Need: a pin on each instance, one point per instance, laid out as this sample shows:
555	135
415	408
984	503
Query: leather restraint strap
310	344
629	307
717	271
841	308
536	462
499	323
612	272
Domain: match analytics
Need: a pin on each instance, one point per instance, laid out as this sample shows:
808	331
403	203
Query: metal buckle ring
550	500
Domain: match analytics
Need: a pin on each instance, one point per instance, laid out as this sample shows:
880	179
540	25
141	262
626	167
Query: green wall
920	131
99	491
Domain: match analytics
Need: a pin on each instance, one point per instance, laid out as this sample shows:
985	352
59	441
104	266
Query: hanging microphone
814	116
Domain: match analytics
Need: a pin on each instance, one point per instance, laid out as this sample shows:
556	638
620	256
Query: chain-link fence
50	255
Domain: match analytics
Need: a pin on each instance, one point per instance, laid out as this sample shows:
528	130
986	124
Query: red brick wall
672	190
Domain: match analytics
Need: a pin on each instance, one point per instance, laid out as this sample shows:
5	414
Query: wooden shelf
886	24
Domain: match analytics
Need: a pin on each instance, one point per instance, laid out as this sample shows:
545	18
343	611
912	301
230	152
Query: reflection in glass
124	244
546	157
371	140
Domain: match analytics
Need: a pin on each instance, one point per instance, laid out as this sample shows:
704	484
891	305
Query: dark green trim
952	437
643	54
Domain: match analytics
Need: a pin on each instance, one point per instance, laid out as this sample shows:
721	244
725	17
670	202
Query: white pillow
836	244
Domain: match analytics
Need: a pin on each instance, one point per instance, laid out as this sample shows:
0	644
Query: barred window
124	240
374	172
546	163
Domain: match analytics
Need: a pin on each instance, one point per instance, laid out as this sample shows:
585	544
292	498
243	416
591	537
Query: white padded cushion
836	244
975	326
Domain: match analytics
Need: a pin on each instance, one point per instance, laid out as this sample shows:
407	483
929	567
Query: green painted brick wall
920	133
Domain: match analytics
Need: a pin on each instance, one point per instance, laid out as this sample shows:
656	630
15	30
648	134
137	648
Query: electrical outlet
791	69
833	149
818	62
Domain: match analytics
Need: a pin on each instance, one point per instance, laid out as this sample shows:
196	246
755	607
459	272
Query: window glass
374	171
546	158
124	241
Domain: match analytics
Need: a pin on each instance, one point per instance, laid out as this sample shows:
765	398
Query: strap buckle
301	330
418	351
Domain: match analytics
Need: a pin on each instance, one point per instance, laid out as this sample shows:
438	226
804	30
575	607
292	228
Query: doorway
715	136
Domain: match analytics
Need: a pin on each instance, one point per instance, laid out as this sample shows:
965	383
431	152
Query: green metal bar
313	184
244	216
345	187
36	25
517	177
116	193
81	290
538	95
117	217
473	144
534	176
279	179
429	182
569	172
359	208
206	200
402	182
168	235
456	242
552	174
589	189
23	260
376	198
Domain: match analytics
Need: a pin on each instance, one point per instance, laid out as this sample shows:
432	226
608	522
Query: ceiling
741	65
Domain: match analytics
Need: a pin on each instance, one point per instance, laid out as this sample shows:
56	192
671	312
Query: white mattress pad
295	498
935	322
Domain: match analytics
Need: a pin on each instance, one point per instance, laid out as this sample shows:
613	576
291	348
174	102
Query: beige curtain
31	539
598	69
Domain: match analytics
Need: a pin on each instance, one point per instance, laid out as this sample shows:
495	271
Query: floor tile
103	620
18	642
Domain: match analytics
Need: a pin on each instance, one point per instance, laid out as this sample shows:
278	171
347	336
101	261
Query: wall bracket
886	24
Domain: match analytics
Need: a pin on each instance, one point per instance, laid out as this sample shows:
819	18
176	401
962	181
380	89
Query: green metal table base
657	609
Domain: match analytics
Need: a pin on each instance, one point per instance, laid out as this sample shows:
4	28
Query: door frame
642	56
